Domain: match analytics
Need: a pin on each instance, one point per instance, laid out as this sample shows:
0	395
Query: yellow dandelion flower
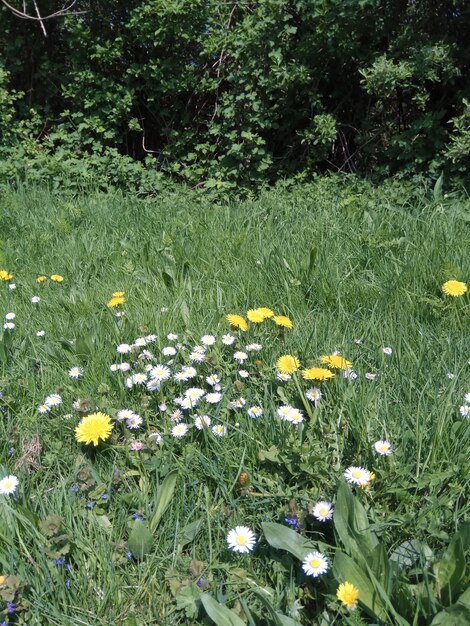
454	288
336	361
348	594
288	364
57	278
237	321
118	294
282	320
116	301
4	275
266	312
317	373
94	427
255	316
41	279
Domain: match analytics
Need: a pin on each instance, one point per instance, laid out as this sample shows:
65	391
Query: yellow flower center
241	540
356	473
7	484
323	511
314	563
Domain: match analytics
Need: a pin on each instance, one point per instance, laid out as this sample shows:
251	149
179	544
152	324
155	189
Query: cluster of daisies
9	324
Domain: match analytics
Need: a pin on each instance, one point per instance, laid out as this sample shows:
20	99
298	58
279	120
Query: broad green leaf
344	568
140	540
456	615
410	552
450	570
437	193
283	538
219	613
164	497
189	532
352	525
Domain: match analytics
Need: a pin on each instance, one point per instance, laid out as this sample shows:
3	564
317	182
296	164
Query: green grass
345	261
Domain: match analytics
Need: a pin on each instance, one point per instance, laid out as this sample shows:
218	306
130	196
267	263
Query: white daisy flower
199	349
119	313
124	414
8	325
172	337
145	355
160	372
450	376
208	340
349	374
322	511
255	412
243	374
228	340
189	371
53	400
10	316
384	448
284	411
465	410
212	380
140	342
283	377
194	393
187	403
139	378
155	438
219	430
240	356
40	333
179	430
254	347
213	398
153	384
197	357
238	403
181	377
313	394
163	407
241	539
202	421
124	367
150	338
114	367
8	485
387	351
315	564
467	398
169	351
12	286
35	299
134	421
124	348
129	382
44	408
370	376
357	476
76	372
176	415
295	416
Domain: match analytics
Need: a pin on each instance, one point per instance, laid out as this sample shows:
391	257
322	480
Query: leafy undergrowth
203	429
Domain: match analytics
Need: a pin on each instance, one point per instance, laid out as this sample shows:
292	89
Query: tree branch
38	17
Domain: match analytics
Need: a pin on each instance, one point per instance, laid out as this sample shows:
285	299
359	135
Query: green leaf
345	568
352	525
219	613
437	193
164	497
140	540
188	533
276	618
456	615
410	552
188	600
283	538
450	570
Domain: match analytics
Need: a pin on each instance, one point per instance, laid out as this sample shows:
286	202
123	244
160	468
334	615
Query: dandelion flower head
94	427
255	316
335	361
237	321
287	364
57	278
282	320
317	373
348	594
454	288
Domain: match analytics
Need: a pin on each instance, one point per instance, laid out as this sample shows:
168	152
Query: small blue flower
104	496
11	451
68	582
59	561
74	488
91	504
11	607
137	517
129	555
292	521
200	582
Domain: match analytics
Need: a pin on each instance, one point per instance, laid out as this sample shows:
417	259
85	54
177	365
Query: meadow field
303	462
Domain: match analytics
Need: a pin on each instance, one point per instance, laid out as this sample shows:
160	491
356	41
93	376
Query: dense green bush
218	94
